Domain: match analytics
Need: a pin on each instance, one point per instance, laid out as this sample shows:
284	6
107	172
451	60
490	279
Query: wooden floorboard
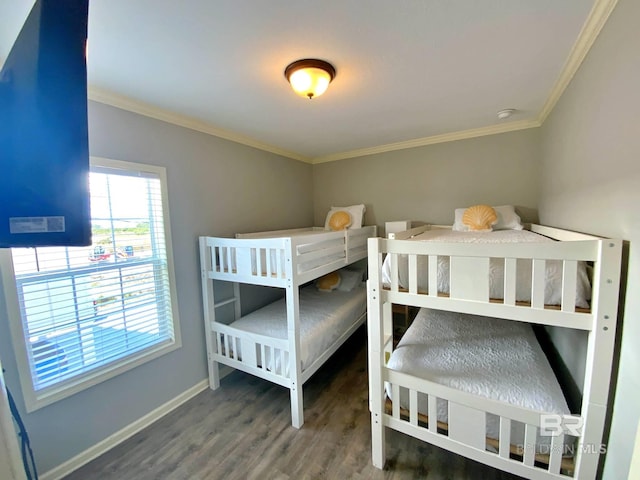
243	431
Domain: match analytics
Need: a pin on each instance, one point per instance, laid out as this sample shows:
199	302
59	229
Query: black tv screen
44	146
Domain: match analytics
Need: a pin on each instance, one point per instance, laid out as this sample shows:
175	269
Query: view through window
87	309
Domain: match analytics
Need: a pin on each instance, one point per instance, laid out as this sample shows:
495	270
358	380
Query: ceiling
409	72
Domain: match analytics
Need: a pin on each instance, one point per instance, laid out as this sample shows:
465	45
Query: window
85	314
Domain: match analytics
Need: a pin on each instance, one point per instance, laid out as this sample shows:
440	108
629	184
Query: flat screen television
44	145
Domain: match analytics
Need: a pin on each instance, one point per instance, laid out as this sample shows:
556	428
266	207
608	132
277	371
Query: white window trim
35	400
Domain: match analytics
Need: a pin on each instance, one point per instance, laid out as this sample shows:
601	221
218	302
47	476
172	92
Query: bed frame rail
470	266
263	356
297	256
465	431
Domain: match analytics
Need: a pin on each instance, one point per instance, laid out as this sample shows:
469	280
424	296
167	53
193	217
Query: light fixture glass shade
310	78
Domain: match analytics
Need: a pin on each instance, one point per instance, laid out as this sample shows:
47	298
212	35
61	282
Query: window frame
37	399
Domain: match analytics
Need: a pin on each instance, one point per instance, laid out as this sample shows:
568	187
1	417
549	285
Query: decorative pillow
339	220
356	212
328	282
508	219
479	218
349	279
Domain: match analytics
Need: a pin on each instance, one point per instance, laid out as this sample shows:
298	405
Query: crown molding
598	16
125	103
421	142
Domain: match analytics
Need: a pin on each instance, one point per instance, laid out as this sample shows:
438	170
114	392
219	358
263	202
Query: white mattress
324	317
553	288
488	357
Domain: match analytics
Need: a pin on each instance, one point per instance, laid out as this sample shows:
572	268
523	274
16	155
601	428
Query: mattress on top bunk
553	270
324	317
489	357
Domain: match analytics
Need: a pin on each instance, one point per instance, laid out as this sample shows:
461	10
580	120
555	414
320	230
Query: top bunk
283	258
538	274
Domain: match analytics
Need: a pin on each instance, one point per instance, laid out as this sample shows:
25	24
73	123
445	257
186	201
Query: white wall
591	182
216	187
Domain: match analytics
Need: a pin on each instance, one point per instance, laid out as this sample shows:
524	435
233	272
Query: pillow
328	282
356	212
349	279
479	218
508	219
339	220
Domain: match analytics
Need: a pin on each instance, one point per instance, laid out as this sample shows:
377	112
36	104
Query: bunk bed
287	341
461	376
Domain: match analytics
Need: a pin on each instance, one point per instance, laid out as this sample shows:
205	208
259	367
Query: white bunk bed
280	341
489	427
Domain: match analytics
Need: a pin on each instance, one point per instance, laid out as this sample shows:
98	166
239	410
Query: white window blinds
88	309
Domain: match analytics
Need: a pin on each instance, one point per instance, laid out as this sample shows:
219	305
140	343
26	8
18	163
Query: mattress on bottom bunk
489	357
324	317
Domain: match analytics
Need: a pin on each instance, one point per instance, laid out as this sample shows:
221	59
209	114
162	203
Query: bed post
606	282
376	351
209	310
293	335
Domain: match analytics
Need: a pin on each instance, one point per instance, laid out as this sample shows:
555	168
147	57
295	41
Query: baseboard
120	436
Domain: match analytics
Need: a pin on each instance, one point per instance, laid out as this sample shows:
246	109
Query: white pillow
356	212
508	219
349	279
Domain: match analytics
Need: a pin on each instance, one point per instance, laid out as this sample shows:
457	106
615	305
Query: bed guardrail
526	439
302	256
470	268
261	355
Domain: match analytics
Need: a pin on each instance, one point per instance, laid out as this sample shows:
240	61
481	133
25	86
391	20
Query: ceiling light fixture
506	113
310	77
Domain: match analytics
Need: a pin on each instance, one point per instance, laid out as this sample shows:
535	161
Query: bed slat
569	279
467	425
395	393
469	277
394	271
433	413
413	407
529	444
537	283
555	457
267	257
510	281
433	275
413	273
505	437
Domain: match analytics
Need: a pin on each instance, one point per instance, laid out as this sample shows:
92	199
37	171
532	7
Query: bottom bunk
260	342
481	387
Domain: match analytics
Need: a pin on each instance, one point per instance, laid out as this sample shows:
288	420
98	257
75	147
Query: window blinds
90	308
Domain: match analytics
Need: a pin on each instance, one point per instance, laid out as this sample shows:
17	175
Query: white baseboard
120	436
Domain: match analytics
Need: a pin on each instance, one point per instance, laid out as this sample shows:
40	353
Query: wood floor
243	431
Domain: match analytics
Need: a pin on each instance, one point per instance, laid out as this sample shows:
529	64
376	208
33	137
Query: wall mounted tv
44	145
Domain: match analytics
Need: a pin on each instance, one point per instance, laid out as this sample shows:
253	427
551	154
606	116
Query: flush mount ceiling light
506	113
310	77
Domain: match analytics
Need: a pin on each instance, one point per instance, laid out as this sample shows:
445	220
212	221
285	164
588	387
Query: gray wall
426	184
216	187
591	182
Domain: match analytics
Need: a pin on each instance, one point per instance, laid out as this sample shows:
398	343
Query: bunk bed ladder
210	306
